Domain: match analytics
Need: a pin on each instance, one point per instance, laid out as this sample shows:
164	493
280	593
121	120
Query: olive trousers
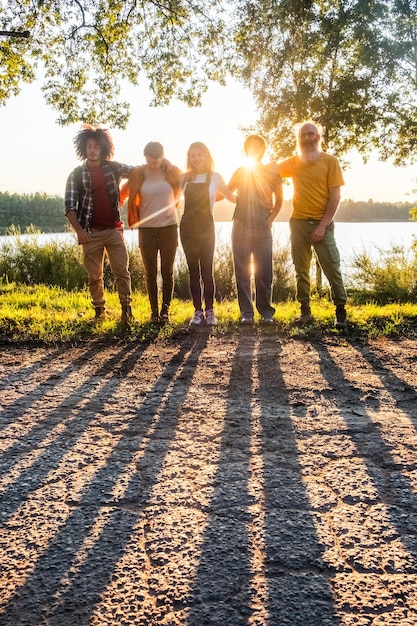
328	257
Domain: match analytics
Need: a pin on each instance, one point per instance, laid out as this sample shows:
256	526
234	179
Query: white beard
309	154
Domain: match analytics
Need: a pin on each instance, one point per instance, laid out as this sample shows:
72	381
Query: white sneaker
210	317
198	319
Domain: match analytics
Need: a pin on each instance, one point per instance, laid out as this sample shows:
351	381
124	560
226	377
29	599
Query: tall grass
57	263
283	287
393	278
27	261
43	296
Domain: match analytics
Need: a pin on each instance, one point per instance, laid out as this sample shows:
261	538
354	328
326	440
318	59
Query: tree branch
84	25
25	34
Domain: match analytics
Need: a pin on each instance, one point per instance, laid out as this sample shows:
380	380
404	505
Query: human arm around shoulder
329	213
123	170
173	177
124	192
286	169
131	190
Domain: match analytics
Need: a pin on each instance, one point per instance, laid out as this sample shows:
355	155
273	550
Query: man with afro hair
92	207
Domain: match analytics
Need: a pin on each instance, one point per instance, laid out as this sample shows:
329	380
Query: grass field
47	314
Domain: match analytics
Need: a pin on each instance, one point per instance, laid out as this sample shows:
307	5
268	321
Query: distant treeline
349	211
46	213
43	212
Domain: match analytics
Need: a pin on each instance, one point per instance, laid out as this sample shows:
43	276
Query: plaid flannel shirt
80	199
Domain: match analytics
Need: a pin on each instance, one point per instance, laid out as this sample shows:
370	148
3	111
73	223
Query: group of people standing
154	190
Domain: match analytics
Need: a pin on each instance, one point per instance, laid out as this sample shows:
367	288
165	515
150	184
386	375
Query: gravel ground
225	480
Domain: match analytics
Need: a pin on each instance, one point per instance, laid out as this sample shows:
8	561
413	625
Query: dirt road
226	480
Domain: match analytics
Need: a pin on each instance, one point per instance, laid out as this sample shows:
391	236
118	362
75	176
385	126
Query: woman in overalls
200	184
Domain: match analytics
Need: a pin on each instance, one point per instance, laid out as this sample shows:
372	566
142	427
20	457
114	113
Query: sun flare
250	162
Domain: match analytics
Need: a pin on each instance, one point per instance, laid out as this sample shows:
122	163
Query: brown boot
341	317
127	315
100	313
305	317
164	317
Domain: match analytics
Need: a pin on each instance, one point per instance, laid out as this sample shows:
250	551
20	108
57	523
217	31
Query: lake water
352	237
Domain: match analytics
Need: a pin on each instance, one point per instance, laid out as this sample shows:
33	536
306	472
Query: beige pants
112	243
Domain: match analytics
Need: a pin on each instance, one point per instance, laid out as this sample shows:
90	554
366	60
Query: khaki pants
327	254
112	243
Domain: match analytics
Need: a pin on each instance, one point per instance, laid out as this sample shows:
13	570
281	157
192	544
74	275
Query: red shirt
103	213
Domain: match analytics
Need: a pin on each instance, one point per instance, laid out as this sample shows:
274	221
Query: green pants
327	254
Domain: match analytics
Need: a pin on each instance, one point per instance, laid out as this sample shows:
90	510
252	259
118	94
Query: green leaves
87	49
349	64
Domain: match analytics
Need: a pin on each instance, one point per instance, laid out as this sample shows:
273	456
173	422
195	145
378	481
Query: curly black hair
101	135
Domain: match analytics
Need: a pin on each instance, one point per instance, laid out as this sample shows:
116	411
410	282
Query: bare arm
330	212
276	207
277	192
232	185
225	191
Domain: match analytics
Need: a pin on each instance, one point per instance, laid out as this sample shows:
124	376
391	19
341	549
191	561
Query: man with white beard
317	179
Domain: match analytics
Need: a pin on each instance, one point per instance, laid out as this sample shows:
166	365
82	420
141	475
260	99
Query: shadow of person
64	564
260	556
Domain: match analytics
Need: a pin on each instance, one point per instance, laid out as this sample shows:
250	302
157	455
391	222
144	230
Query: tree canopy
349	64
87	50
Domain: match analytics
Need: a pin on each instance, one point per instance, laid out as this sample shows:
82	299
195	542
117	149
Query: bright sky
38	154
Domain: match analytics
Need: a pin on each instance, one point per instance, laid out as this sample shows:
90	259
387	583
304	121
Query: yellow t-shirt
312	182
